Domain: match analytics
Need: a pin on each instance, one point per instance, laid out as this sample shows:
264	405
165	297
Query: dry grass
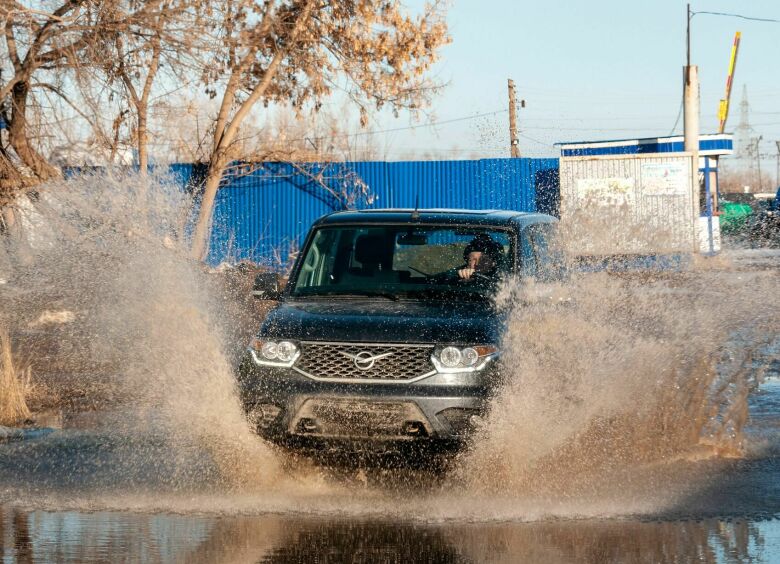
14	383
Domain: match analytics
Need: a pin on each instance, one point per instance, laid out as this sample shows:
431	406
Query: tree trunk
225	132
200	237
11	181
17	134
13	237
143	155
8	218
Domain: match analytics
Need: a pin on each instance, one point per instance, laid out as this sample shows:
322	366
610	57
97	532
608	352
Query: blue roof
709	144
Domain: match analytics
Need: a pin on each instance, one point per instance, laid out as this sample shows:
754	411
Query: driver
483	257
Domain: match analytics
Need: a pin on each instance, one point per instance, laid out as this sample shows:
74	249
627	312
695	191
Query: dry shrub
13	383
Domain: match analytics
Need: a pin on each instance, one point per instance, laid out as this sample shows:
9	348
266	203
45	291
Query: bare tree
37	35
35	38
329	135
161	33
46	39
185	134
185	125
86	120
298	50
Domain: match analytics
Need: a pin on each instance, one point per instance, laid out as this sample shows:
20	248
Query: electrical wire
535	140
395	129
677	120
767	20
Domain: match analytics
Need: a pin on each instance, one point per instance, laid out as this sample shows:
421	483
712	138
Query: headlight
269	350
285	351
450	357
469	356
462	359
274	353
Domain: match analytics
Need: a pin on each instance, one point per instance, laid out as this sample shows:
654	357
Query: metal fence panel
263	210
263	214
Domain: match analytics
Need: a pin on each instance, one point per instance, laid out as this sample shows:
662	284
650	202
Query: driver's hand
465	273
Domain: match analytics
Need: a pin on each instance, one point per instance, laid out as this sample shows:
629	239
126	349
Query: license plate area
363	419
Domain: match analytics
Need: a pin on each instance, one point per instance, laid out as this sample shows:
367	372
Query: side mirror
266	286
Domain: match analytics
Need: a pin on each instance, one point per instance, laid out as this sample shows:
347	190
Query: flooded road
114	537
80	496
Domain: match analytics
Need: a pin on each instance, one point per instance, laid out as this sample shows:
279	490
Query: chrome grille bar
364	361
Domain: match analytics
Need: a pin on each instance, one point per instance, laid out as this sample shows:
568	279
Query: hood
378	321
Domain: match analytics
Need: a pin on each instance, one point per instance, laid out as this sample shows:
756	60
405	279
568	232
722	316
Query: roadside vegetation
15	381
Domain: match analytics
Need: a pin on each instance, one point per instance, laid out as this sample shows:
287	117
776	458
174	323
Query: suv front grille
353	361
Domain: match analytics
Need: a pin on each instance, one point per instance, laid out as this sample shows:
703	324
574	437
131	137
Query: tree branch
260	89
10	41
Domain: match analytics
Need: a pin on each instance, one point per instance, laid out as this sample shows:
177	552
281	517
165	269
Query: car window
402	259
545	247
527	257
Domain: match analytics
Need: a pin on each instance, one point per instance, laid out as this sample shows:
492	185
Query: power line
431	124
677	119
567	128
768	20
395	129
535	140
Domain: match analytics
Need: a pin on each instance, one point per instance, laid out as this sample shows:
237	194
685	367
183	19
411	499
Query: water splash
617	371
609	379
147	330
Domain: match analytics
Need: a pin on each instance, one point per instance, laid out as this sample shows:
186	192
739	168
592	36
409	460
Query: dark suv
387	335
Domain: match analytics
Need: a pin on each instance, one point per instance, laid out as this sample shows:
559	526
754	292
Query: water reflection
364	542
97	537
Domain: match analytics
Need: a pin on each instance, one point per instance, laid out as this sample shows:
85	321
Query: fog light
461	420
263	416
307	425
414	429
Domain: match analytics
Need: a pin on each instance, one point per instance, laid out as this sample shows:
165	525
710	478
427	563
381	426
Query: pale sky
601	69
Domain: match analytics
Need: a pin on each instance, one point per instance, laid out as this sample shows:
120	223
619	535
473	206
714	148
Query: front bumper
438	412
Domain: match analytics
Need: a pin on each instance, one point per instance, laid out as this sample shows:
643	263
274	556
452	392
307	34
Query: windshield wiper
351	293
450	293
377	293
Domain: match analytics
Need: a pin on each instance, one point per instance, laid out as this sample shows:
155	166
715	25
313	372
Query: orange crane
723	107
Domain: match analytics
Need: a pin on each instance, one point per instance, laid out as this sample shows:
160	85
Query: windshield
395	261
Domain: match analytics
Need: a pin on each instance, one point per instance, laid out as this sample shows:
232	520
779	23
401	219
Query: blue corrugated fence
264	210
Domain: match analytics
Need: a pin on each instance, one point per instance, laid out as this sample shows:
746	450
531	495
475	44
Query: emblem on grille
364	360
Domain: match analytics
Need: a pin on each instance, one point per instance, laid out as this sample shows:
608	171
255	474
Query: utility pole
758	162
514	146
743	143
777	174
691	124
